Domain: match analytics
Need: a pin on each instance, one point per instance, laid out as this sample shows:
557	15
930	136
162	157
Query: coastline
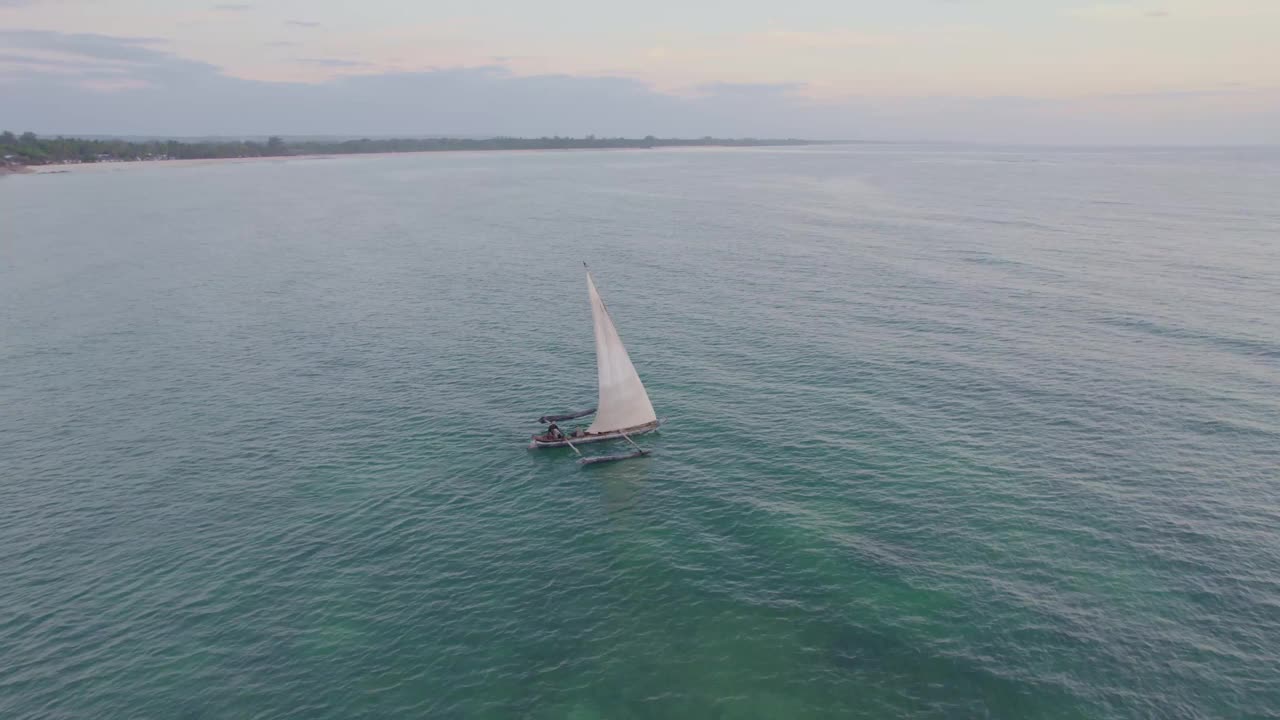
195	162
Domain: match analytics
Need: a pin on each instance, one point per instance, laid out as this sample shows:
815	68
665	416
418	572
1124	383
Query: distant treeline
29	149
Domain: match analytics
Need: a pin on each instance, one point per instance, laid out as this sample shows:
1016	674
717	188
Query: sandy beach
113	166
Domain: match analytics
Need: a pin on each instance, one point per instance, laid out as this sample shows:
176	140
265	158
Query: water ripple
951	433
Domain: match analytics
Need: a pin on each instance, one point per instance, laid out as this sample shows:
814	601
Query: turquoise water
952	433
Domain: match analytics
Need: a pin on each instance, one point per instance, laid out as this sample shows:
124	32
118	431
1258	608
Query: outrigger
624	409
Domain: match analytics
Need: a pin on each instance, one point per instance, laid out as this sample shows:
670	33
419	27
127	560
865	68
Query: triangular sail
623	402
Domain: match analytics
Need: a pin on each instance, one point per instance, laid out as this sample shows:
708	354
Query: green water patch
336	637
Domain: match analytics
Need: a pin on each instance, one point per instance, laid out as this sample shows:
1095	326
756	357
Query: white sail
623	402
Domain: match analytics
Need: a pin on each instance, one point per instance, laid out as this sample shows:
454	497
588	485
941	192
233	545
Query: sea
951	432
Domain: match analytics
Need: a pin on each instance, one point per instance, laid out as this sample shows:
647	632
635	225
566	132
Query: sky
1018	71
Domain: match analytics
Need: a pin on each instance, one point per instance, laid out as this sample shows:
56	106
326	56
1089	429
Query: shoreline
186	162
196	162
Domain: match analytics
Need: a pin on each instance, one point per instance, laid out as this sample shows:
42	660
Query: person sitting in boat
553	432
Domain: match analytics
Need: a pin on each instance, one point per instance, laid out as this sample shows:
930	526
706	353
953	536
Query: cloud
1003	102
232	7
95	55
1182	10
282	43
76	84
169	95
17	3
822	39
302	23
1114	11
334	62
1174	94
10	58
102	47
749	90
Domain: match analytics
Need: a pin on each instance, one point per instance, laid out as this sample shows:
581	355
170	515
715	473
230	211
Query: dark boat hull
537	444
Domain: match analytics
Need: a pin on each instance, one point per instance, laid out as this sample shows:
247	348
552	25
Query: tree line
30	149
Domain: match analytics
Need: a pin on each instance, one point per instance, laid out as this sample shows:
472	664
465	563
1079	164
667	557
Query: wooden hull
537	444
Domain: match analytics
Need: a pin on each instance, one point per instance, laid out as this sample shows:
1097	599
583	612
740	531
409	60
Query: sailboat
623	409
